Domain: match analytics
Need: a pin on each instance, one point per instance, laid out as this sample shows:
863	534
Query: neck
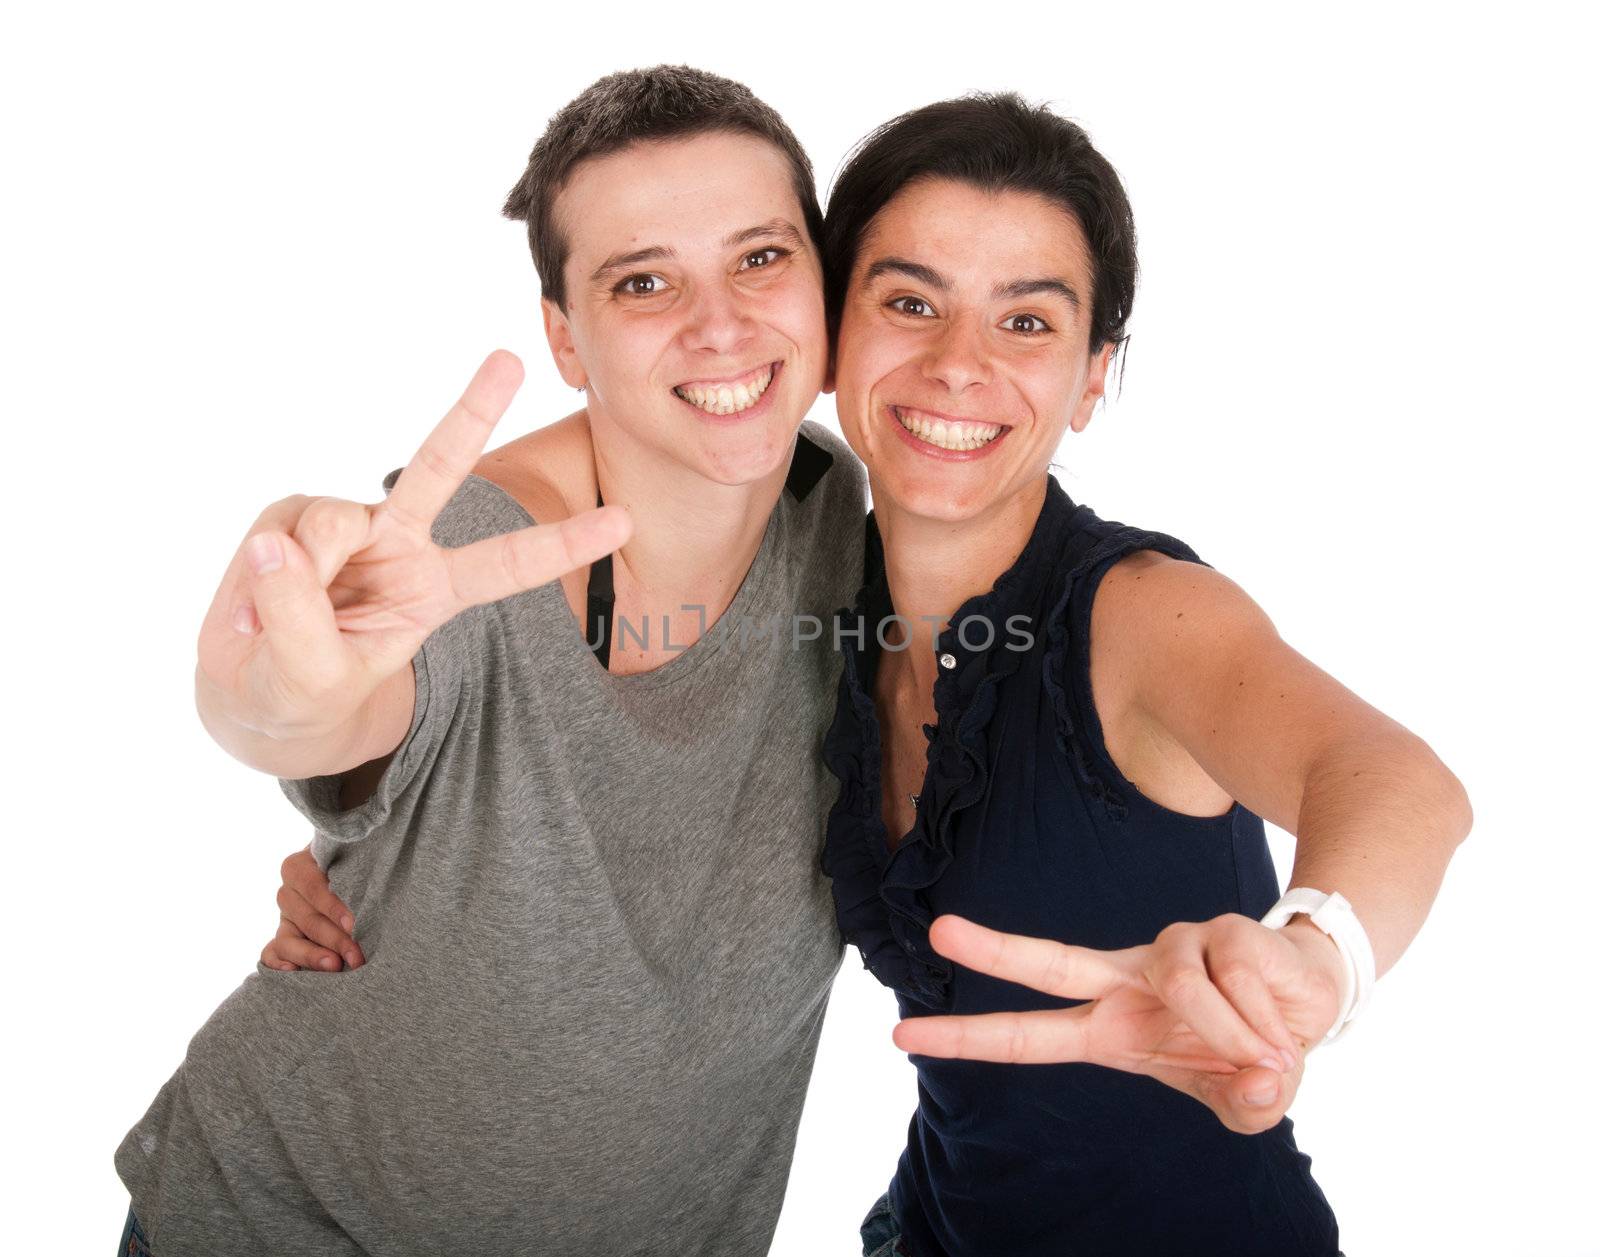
933	566
693	539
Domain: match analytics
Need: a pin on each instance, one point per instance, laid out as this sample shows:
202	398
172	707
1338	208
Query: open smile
945	436
737	396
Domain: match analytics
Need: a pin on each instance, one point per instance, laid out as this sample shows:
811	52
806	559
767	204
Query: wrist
1330	914
1319	948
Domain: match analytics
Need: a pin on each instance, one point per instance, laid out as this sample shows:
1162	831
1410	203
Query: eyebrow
778	228
1028	287
911	270
620	261
775	228
1011	291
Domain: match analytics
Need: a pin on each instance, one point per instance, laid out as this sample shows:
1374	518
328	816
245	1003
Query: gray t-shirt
599	946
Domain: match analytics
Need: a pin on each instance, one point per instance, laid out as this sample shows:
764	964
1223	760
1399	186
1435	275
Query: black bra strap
809	464
602	600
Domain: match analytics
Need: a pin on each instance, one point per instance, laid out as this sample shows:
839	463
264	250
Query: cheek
868	355
795	311
627	351
1050	385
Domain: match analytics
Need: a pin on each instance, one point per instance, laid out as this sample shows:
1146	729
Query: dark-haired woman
1109	1076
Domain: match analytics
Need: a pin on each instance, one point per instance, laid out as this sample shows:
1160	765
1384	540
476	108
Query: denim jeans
880	1230
133	1242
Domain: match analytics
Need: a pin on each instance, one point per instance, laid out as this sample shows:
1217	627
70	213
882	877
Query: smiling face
963	351
694	313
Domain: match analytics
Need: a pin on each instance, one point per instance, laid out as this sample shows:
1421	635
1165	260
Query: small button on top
947	661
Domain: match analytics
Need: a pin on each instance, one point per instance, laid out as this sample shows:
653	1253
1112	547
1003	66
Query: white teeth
727	399
955	434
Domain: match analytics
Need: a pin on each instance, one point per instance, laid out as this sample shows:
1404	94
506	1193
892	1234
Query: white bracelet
1333	915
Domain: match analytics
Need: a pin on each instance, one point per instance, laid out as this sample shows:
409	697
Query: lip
933	451
727	379
753	412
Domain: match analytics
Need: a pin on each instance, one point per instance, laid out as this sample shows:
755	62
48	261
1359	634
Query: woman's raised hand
1223	1010
326	598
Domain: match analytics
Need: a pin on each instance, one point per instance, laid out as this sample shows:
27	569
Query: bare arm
1375	813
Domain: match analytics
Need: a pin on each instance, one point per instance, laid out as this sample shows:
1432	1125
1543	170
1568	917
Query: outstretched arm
1375	814
1226	1009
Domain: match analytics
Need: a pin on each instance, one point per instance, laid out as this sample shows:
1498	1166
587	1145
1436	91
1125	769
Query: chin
747	456
950	500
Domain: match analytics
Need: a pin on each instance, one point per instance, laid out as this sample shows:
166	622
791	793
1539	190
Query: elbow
1463	812
1454	807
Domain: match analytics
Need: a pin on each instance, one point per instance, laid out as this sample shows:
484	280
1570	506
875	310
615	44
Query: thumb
296	616
1253	1100
1232	1097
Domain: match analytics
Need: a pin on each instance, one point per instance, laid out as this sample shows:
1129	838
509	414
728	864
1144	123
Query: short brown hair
661	103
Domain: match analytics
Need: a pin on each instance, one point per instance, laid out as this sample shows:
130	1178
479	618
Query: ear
1094	388
562	348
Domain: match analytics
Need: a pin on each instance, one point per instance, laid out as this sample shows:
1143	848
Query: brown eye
761	257
1027	324
916	307
642	285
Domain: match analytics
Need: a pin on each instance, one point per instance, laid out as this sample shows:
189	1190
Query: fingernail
328	962
264	553
1263	1096
1272	1063
244	619
348	921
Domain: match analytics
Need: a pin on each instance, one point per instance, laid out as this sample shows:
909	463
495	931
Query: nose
959	357
718	321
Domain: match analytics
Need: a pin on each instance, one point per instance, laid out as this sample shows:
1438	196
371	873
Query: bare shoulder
549	471
1148	594
1160	624
1156	624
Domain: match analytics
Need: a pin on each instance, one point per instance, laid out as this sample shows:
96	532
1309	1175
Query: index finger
1048	1037
452	449
1055	968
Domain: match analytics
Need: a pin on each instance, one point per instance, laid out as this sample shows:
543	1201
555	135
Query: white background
255	251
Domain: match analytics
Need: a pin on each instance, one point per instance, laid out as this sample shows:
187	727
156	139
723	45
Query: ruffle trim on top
1118	541
1058	639
878	897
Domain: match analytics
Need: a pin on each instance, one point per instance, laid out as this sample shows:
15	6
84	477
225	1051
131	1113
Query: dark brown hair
661	103
997	142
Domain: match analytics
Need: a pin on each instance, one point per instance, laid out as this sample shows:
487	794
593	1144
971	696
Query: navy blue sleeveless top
1025	824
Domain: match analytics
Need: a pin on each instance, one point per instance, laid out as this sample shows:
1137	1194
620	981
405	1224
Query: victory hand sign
326	598
1223	1010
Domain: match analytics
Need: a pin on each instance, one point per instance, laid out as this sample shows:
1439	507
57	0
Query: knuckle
1057	972
1181	982
435	463
1234	973
285	899
323	933
1177	932
321	522
288	507
511	559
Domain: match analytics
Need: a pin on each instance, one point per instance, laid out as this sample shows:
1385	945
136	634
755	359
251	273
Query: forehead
680	194
976	234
